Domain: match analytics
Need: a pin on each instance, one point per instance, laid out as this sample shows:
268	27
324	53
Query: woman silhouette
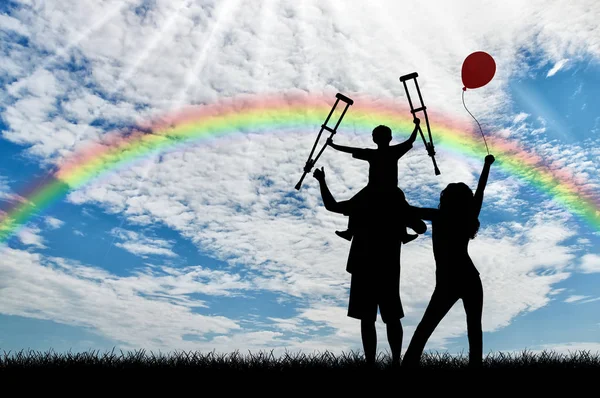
453	224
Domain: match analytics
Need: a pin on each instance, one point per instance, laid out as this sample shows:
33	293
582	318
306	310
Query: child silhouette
383	172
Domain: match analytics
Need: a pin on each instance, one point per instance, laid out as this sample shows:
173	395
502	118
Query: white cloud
140	245
30	236
520	117
8	23
7	194
590	263
575	298
502	194
591	300
144	309
558	66
53	222
4	188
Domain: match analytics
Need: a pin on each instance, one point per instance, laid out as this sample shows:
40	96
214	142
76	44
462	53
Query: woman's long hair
457	206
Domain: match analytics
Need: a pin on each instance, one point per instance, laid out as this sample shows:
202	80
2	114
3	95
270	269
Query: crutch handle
332	131
344	98
418	109
409	76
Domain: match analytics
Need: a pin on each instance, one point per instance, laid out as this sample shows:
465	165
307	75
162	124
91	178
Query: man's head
382	135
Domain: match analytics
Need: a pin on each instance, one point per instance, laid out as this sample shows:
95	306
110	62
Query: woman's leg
473	303
441	301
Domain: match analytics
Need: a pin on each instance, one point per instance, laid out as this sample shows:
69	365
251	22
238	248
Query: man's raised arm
328	200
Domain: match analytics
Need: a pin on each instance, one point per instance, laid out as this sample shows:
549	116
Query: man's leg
392	312
362	306
473	303
439	305
369	340
395	335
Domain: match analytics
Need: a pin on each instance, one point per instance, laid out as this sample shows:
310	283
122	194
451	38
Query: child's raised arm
489	159
405	146
341	148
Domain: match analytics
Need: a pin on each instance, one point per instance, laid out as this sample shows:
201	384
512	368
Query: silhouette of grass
288	362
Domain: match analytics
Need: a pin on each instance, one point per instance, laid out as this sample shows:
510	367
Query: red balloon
478	69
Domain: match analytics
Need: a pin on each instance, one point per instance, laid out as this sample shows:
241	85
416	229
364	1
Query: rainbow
272	114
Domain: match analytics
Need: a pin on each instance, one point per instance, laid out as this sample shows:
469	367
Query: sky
207	245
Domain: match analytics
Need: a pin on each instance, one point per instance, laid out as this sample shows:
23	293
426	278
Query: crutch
311	162
428	145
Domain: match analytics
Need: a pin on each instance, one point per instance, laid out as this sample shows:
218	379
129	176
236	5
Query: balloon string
463	100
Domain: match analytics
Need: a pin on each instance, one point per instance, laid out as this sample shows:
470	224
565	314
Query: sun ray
63	51
149	48
262	35
293	11
223	18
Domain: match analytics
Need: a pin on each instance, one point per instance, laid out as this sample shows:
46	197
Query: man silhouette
374	263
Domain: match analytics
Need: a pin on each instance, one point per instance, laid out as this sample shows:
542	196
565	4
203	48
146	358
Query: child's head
457	202
382	135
